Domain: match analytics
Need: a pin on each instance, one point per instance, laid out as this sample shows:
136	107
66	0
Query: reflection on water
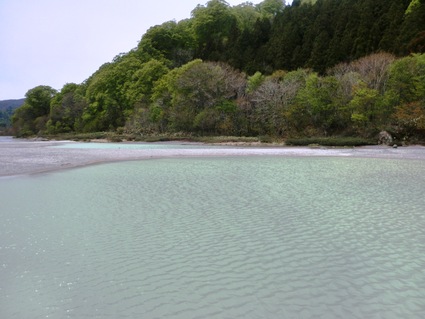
253	237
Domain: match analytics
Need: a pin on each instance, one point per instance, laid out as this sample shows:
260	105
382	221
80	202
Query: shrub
329	141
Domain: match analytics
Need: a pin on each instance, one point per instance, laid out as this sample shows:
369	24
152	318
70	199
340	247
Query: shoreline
28	157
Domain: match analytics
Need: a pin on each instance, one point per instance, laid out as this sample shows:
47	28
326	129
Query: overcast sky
53	42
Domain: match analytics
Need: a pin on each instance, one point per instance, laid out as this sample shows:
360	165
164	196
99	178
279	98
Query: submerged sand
21	157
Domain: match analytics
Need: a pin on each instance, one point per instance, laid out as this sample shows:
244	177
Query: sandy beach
23	157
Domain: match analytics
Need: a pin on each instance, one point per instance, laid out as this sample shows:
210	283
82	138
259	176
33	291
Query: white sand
19	157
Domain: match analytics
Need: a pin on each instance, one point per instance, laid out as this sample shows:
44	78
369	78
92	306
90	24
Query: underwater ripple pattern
261	237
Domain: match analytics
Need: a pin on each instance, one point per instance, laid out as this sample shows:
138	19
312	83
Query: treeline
266	69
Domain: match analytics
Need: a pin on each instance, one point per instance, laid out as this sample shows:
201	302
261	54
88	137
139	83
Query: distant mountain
11	104
7	107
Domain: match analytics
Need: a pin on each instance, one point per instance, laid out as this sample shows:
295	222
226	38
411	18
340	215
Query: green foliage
5	118
316	68
198	95
366	107
254	81
329	32
272	103
271	8
171	43
214	27
115	88
406	93
38	100
246	14
66	109
329	141
228	139
7	107
318	99
414	5
31	117
407	79
410	119
143	81
308	1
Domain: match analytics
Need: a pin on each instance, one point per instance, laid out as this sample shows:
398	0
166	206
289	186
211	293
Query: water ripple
216	238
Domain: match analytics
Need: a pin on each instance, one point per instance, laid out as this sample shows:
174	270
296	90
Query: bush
265	139
226	139
329	141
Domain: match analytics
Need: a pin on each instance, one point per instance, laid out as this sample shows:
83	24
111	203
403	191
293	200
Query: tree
367	109
38	99
374	69
271	8
390	41
199	95
362	85
413	6
406	94
412	30
5	118
254	81
170	43
143	80
410	119
319	58
246	14
347	80
286	48
272	101
318	99
32	116
159	87
109	101
214	25
66	109
145	117
406	81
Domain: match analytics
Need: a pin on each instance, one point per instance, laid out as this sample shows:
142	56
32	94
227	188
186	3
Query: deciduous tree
32	116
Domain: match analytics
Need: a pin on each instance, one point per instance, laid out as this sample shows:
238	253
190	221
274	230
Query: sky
54	42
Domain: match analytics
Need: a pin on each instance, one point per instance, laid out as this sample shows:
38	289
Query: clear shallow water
133	145
252	237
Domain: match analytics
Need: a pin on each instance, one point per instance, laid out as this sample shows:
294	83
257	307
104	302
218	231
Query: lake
223	237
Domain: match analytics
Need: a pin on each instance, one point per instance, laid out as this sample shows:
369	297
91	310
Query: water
246	237
133	145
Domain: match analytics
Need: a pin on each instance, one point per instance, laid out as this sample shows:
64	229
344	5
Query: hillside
7	107
11	104
328	67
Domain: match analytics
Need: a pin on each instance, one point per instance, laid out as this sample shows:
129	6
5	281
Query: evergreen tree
412	31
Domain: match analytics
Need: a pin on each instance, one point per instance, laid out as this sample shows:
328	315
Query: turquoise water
132	145
246	237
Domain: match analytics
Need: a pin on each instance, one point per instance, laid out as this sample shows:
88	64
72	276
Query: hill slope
13	104
352	67
7	107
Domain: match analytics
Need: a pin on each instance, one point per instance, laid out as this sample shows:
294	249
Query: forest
7	107
312	68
